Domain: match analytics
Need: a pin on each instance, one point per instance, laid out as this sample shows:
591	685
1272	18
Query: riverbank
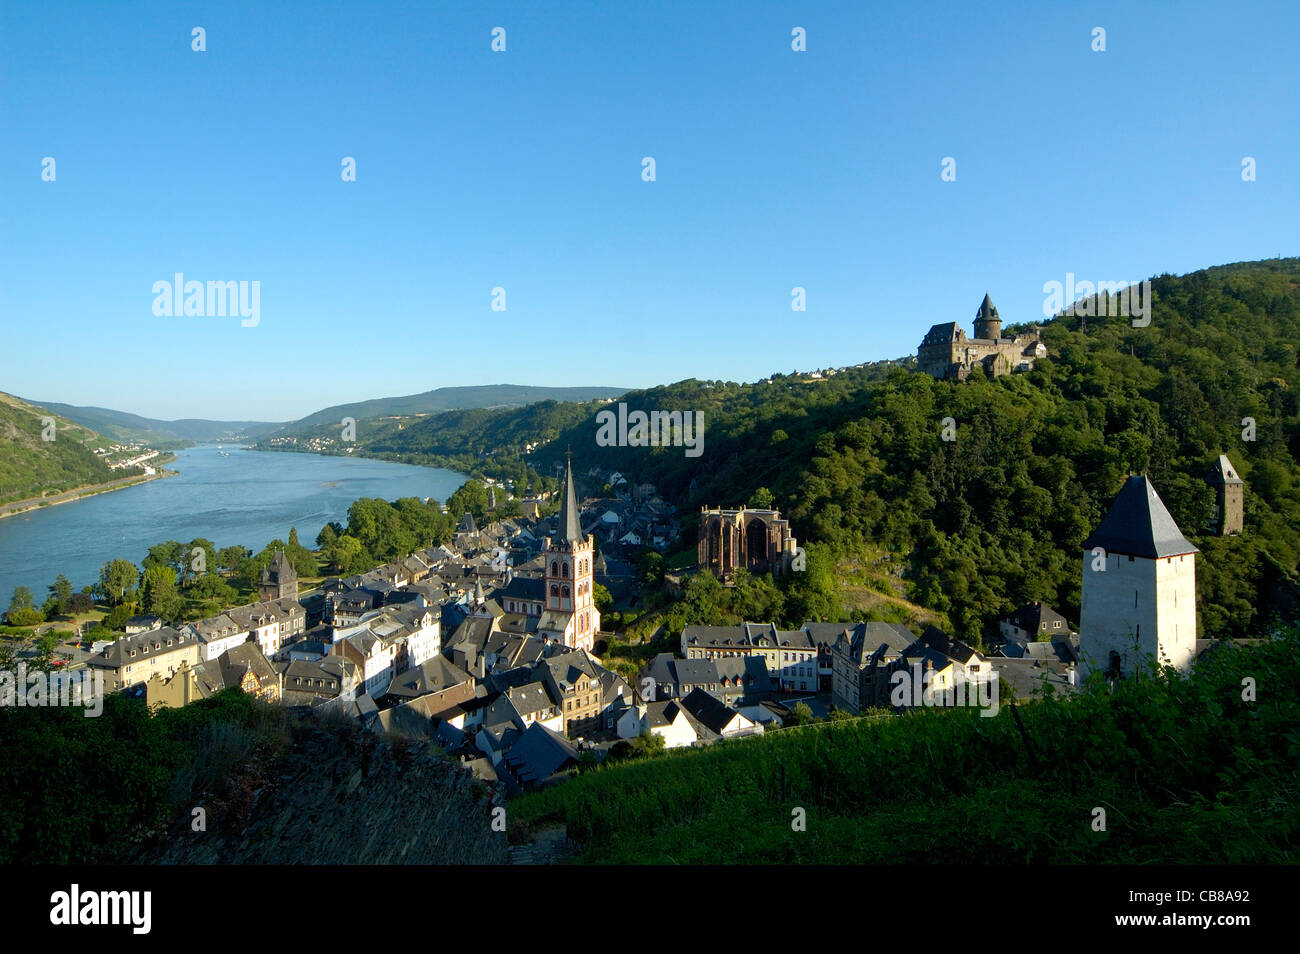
246	499
78	493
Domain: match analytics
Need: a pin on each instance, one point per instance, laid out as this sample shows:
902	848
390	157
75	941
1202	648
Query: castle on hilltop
947	353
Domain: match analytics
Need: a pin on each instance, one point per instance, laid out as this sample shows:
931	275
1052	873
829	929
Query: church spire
570	527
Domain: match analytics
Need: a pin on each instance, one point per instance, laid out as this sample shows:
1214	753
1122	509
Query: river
230	496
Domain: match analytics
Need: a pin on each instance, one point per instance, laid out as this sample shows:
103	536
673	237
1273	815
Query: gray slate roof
1138	524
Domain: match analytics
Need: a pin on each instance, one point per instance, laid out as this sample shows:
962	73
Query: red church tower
569	615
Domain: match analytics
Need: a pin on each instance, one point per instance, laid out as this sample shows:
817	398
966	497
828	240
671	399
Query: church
1139	588
946	352
569	614
757	540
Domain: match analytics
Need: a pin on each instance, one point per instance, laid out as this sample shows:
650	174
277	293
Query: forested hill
995	517
31	466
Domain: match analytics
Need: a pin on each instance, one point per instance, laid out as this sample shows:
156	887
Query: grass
1186	770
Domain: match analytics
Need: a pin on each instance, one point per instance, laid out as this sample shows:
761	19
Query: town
489	646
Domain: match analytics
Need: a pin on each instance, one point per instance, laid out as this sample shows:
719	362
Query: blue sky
522	170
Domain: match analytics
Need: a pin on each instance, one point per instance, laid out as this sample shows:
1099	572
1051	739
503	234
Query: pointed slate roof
279	570
1223	472
570	527
987	309
1138	524
467	524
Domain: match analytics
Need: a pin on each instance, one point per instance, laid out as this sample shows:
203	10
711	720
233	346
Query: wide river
247	498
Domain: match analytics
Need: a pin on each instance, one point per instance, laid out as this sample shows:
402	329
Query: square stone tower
569	614
1229	492
1139	587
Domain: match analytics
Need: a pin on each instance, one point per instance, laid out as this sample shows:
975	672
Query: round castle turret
987	322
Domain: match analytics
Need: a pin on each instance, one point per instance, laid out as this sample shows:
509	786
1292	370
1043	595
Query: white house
668	720
216	635
374	657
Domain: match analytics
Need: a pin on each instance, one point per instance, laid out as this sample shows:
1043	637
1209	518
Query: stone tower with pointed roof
946	352
569	614
987	323
1229	493
1139	587
279	579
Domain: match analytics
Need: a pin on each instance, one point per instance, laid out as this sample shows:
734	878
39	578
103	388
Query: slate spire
570	527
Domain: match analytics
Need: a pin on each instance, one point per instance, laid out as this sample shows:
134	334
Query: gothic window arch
555	590
566	568
564	591
555	568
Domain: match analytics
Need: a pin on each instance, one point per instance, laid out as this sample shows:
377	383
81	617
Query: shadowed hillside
1186	770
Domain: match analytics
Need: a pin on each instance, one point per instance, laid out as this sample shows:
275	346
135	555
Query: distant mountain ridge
124	426
454	399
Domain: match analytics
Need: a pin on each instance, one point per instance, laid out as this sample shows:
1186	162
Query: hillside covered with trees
31	465
995	517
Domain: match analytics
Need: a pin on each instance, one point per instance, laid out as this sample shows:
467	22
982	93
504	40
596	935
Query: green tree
116	619
169	553
328	534
229	558
348	555
200	557
117	581
21	600
158	592
27	616
801	714
60	590
647	745
45	645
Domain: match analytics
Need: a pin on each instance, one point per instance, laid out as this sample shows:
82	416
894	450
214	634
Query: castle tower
1229	493
1139	587
987	322
569	615
279	579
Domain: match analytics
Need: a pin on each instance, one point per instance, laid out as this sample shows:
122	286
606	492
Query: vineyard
1185	769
